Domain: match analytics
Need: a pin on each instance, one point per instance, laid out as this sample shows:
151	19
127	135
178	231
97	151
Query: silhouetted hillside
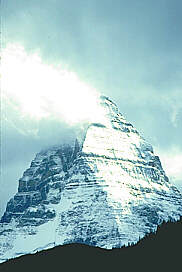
156	252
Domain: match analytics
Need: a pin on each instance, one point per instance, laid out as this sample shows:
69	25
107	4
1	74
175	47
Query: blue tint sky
130	50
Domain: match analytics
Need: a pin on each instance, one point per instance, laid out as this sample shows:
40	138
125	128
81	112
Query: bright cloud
40	90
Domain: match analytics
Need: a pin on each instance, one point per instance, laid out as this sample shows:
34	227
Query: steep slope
106	190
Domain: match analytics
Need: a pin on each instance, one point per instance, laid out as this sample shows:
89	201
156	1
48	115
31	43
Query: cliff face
46	174
106	190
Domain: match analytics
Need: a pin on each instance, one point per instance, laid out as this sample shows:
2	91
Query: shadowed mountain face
106	189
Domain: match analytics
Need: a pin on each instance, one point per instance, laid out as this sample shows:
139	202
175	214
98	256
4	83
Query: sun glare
41	90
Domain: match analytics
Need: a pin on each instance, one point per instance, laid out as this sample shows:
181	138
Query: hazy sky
130	50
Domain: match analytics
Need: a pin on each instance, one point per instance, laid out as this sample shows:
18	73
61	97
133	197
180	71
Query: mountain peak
107	190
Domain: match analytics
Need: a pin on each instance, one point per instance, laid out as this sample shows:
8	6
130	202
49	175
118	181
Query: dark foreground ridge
160	251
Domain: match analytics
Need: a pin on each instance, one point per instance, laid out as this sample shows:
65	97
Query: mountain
106	189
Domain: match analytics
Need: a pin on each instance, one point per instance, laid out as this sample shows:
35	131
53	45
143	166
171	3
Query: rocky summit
106	188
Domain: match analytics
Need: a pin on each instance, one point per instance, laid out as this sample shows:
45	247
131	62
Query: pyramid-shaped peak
107	190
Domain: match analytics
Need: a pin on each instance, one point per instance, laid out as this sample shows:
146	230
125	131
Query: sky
128	50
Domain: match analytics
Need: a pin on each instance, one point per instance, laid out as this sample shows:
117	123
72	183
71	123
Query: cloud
40	90
175	106
172	163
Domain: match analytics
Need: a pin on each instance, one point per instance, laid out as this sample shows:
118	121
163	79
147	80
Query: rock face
106	190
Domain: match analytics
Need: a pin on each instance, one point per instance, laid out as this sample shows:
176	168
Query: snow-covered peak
107	188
